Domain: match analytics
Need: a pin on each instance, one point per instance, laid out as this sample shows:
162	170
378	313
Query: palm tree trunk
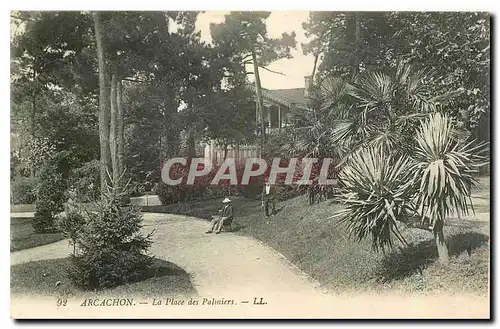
105	156
442	248
258	92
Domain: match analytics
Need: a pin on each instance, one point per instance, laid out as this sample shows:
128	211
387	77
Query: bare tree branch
133	80
272	71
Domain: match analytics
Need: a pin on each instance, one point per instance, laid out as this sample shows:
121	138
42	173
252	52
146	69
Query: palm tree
390	105
312	134
443	172
377	108
379	195
400	156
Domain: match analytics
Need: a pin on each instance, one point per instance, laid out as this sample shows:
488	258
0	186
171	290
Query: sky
294	69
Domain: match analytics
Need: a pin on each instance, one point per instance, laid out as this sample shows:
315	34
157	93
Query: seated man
226	215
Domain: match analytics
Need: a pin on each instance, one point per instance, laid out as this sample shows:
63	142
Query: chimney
307	85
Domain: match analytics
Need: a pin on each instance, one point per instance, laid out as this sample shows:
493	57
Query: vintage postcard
250	165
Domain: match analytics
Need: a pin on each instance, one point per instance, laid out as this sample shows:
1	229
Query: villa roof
294	95
286	97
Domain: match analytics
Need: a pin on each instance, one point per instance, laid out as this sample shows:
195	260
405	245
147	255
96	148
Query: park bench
227	223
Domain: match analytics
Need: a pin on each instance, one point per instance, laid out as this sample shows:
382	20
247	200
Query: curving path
229	266
222	263
225	262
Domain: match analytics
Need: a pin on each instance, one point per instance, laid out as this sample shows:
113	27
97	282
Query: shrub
251	191
50	195
201	189
23	190
379	194
86	181
71	223
286	192
171	193
110	249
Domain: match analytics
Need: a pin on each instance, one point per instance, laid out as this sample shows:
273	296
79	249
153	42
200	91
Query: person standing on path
226	214
269	199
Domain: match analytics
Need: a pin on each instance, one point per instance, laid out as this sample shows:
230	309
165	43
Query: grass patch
319	245
48	278
206	208
22	235
316	243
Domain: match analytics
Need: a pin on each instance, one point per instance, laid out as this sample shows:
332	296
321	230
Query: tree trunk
33	114
316	56
33	126
171	143
442	248
191	144
113	136
105	156
353	21
120	129
258	91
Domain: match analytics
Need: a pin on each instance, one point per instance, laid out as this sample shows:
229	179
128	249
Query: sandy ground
233	267
218	263
59	249
225	262
230	266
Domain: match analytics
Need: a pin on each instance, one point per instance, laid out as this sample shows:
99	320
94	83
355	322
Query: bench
227	224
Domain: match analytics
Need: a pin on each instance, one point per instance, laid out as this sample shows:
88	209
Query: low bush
22	190
50	197
71	223
86	181
286	192
203	188
110	249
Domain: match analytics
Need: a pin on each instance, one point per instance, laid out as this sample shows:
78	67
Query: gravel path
233	267
59	249
219	264
226	262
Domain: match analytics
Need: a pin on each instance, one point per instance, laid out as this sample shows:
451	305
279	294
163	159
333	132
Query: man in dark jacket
269	199
226	216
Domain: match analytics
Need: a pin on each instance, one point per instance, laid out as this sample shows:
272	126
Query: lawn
316	243
22	235
48	278
319	246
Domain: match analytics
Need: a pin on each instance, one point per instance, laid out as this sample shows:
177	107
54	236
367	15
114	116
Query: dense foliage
454	44
110	249
22	190
398	101
50	196
379	193
85	181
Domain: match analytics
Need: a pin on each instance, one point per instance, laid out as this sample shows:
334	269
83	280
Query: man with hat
268	198
226	215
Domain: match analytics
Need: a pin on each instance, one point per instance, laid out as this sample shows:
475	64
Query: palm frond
446	167
378	186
